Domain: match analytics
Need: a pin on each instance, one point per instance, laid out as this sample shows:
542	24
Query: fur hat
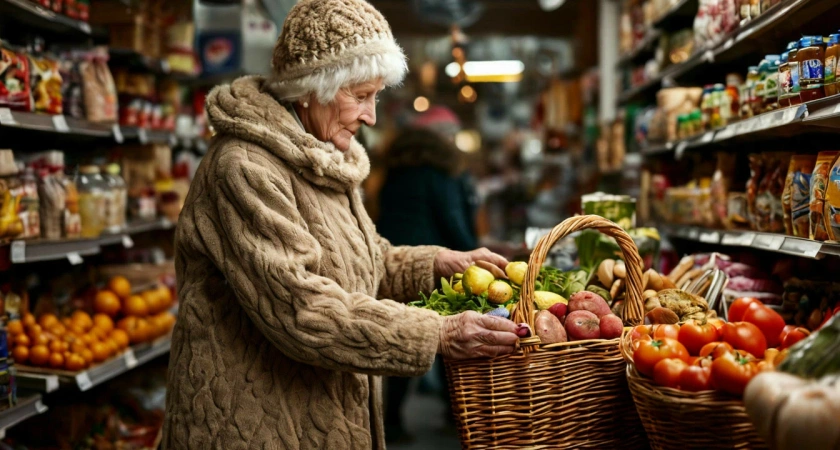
329	44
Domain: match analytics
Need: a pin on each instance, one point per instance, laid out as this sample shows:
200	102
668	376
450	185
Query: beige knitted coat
280	336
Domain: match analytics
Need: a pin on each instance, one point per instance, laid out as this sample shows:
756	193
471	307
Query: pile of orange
144	317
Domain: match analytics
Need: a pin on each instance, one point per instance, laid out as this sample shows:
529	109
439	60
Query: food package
721	182
46	85
769	195
786	193
71	89
100	93
10	224
737	210
831	210
819	181
671	102
28	205
15	87
756	175
800	194
681	46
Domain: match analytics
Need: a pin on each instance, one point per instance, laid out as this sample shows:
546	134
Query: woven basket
681	420
567	395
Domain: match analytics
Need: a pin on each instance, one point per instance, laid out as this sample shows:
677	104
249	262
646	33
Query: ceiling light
488	71
452	69
421	104
468	141
467	94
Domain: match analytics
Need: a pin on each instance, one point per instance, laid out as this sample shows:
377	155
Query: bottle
706	106
748	92
771	84
832	52
115	214
811	71
760	87
92	201
789	76
720	107
733	81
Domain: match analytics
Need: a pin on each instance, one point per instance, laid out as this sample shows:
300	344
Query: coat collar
244	110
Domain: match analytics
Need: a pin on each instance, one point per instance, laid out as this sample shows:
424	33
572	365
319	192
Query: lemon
545	299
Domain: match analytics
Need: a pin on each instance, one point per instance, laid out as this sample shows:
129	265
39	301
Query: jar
115	214
29	210
832	52
789	76
724	105
748	92
706	106
696	121
733	81
760	90
93	201
811	74
771	85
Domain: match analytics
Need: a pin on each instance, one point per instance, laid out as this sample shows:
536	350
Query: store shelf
644	49
681	15
27	12
770	242
26	407
33	377
30	251
147	136
15	120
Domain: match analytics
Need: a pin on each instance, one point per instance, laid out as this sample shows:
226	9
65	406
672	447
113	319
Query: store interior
703	128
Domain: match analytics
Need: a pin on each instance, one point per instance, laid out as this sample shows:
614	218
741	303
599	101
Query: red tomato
702	361
715	349
745	336
739	307
639	340
666	331
639	331
651	352
695	335
667	372
696	378
768	321
792	336
732	372
716	322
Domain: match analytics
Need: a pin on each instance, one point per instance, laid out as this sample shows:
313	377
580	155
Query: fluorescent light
421	104
488	71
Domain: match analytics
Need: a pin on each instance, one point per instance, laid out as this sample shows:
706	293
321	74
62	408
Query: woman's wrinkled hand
449	262
473	335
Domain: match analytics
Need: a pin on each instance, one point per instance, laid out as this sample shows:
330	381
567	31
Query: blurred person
290	301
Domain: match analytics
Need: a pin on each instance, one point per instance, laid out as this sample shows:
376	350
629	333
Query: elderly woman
290	300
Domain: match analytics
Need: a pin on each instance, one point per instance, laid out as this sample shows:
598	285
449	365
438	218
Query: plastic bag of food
100	93
15	87
800	194
46	85
819	181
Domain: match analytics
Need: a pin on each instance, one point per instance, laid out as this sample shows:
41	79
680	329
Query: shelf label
83	381
709	56
130	359
740	239
710	237
118	136
173	141
85	27
143	136
768	242
127	242
707	137
694	234
806	248
40	408
18	252
74	258
837	109
680	151
6	117
60	124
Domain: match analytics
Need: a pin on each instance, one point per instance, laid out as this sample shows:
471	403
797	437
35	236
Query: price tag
127	241
6	117
85	27
143	136
728	44
707	137
130	359
18	252
166	224
40	407
83	381
60	124
837	108
806	248
768	242
790	114
739	239
681	146
74	258
694	234
173	141
118	136
709	56
710	237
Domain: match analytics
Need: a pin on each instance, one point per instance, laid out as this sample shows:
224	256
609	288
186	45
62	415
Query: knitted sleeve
409	270
267	256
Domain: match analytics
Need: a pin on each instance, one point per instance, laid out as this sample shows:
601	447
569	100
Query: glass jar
696	118
789	76
771	84
811	71
832	52
760	87
93	193
720	107
748	92
115	214
733	81
706	106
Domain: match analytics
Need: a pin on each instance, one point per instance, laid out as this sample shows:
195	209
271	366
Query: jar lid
719	87
806	41
771	58
834	39
792	45
89	170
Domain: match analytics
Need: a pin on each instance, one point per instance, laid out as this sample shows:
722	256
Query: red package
57	5
15	88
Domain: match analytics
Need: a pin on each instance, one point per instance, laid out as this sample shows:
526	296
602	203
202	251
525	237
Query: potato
559	310
549	328
582	325
605	272
589	301
619	269
611	326
655	281
661	315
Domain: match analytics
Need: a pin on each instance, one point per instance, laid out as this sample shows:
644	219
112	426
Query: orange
75	330
82	320
20	354
56	346
34	329
135	306
47	320
106	302
120	286
66	321
40	339
103	322
127	323
99	333
112	346
168	319
120	337
100	352
153	300
77	347
56	360
58	329
28	319
75	362
15	327
87	355
165	296
39	355
23	339
89	339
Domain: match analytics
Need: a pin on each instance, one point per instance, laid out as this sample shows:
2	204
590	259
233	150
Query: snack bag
46	85
819	181
831	210
15	90
100	93
800	194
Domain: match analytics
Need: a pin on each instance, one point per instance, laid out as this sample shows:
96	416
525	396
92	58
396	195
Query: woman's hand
449	262
473	335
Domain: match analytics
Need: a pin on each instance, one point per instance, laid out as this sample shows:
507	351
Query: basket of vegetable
688	379
565	387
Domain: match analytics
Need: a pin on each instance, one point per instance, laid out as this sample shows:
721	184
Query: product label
812	73
72	224
830	69
91	207
795	86
819	185
771	86
800	199
832	202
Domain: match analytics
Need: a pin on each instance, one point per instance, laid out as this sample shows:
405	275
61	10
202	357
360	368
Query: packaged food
15	87
831	211
771	85
800	194
768	202
832	52
29	206
100	94
819	181
786	194
52	201
748	97
10	224
620	209
116	209
756	175
71	89
719	189
737	210
789	86
811	58
46	85
92	201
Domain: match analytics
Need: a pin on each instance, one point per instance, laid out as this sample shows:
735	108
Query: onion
763	396
808	419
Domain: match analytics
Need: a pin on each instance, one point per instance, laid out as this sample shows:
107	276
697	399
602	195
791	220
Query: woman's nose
369	113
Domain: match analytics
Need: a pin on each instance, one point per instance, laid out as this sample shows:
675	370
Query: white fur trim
381	58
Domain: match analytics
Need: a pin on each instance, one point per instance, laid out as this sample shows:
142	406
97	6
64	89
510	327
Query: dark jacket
427	198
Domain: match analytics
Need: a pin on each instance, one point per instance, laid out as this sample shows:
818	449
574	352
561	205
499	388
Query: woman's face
340	120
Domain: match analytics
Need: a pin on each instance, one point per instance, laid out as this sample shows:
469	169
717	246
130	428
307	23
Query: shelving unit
27	407
645	48
777	243
39	17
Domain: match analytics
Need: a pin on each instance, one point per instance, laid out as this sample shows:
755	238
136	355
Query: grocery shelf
777	243
16	120
147	136
36	16
25	408
647	47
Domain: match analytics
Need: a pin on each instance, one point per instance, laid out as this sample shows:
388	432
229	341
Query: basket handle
633	311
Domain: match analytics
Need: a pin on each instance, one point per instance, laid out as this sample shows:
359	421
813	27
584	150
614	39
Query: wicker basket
682	420
568	395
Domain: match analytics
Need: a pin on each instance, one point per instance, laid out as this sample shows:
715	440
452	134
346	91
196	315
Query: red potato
582	325
611	326
559	310
589	301
549	328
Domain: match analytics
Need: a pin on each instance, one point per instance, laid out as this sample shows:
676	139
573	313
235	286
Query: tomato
639	331
651	352
696	378
715	349
666	331
639	340
829	314
716	322
791	335
667	372
739	307
745	336
731	373
768	321
694	335
702	361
